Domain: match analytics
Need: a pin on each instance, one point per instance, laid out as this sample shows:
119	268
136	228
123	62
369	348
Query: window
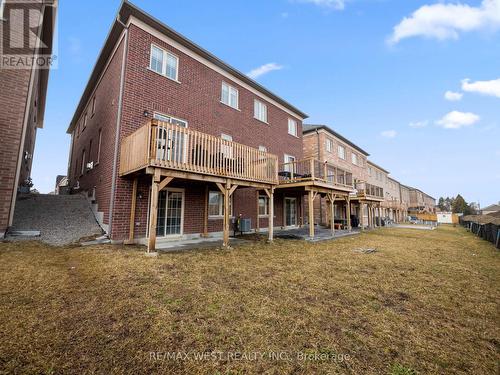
82	170
354	158
289	166
262	148
370	171
292	127
260	111
84	122
216	204
93	105
341	151
164	63
263	205
99	147
329	145
170	119
229	95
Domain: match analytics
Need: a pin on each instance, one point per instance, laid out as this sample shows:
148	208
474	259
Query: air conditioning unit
90	165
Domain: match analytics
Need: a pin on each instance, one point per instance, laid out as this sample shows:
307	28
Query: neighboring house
491	209
61	185
404	192
393	206
22	97
171	142
325	144
421	202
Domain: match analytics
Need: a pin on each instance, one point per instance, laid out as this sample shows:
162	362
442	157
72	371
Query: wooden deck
368	192
168	146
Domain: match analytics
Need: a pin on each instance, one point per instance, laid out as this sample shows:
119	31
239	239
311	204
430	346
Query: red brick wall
14	92
195	99
104	119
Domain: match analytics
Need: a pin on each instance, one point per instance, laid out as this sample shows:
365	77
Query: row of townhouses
169	142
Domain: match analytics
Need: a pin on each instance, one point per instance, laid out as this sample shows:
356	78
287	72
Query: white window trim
221	205
267	113
164	65
237	96
354	158
339	147
262	148
266	205
2	9
296	135
171	118
329	141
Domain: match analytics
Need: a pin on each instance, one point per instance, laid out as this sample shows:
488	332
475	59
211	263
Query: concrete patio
320	233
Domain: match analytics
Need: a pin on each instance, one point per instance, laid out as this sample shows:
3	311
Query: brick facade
22	98
195	98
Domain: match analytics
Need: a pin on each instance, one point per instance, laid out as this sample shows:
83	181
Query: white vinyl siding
260	111
292	127
164	63
341	151
229	95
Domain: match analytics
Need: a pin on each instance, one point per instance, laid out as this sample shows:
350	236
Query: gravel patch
61	219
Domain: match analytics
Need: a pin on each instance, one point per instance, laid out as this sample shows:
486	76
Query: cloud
332	4
389	134
453	96
447	21
264	69
418	124
491	88
457	120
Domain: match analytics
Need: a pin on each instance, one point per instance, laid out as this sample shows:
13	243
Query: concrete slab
194	244
320	234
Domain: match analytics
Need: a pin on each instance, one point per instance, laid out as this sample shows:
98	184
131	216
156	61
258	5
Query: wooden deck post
225	241
361	216
205	213
311	214
271	214
153	212
348	212
132	212
257	221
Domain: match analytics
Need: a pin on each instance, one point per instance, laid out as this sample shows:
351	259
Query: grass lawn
426	302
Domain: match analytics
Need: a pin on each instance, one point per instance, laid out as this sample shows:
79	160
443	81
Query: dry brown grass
427	301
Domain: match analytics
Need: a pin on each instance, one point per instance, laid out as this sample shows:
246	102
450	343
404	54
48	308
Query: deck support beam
312	194
132	212
153	212
331	198
257	221
227	191
271	214
348	213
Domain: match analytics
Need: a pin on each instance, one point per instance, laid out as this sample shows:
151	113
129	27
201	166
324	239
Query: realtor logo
26	29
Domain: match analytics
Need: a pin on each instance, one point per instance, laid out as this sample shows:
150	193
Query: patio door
290	212
170	143
170	213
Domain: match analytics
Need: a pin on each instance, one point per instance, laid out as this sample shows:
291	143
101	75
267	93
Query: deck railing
369	191
166	145
314	170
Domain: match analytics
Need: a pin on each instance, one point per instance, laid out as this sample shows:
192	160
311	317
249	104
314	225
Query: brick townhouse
22	95
172	143
420	202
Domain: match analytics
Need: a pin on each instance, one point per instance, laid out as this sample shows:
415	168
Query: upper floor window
329	145
164	63
341	151
354	158
84	121
260	111
262	148
292	127
369	171
93	105
229	95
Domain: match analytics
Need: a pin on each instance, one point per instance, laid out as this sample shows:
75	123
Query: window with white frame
216	204
292	127
263	205
289	160
354	158
262	148
260	111
226	149
164	63
229	95
341	151
329	145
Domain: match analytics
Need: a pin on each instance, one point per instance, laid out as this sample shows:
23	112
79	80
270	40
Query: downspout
117	129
